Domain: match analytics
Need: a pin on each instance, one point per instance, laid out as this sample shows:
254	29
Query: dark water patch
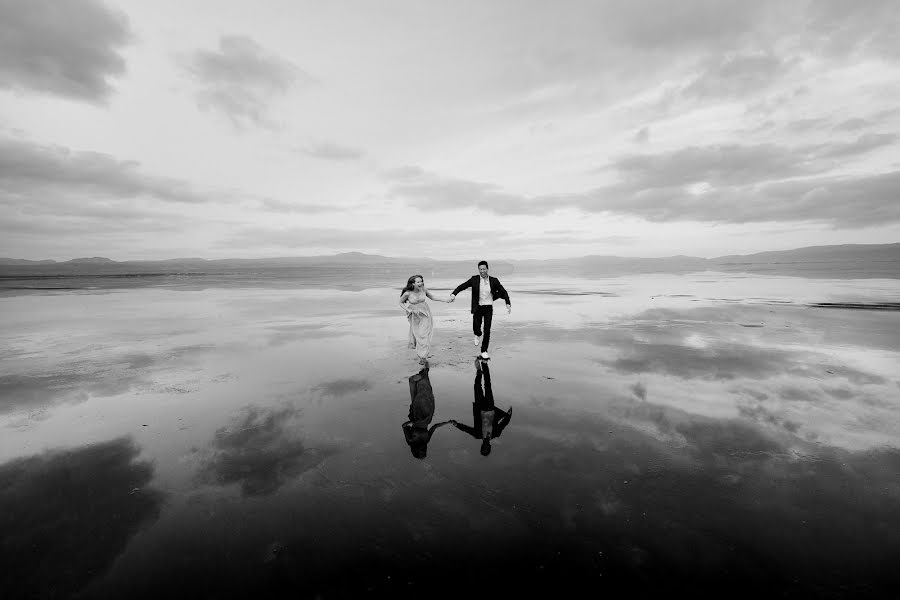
260	451
67	514
78	380
342	387
138	360
728	360
868	329
857	305
565	502
840	393
286	334
36	287
853	375
772	301
725	362
761	414
184	351
798	394
566	293
73	385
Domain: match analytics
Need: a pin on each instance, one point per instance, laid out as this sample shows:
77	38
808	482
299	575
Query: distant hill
838	261
843	261
94	260
588	266
843	252
22	261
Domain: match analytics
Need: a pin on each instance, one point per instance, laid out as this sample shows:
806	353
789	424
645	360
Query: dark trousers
484	398
486	314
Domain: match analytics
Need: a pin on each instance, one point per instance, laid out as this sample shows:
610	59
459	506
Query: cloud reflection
732	496
260	450
67	514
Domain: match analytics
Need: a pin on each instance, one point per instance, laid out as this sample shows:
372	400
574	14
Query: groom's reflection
488	420
421	411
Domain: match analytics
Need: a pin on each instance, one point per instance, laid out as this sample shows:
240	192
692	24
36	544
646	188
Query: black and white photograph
353	299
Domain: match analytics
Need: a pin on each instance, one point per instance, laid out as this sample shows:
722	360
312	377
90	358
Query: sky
469	129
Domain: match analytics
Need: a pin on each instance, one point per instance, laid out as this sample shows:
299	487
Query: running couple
485	289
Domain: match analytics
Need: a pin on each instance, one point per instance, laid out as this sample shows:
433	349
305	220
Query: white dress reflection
421	411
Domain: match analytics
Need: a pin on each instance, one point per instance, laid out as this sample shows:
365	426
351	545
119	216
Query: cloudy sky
502	128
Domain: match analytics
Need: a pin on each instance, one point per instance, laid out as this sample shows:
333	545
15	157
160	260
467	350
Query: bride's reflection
421	411
488	420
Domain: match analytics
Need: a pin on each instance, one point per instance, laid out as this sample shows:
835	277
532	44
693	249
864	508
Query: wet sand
708	433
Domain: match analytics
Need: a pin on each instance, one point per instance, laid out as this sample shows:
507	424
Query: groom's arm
470	430
465	284
501	291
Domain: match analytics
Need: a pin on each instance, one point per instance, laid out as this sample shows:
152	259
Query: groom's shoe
485	356
477	340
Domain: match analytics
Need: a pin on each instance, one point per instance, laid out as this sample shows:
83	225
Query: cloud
56	198
260	451
334	238
70	49
841	202
240	79
725	183
750	183
642	136
75	512
660	25
416	242
735	164
725	164
863	144
330	151
32	172
845	28
854	124
406	172
808	124
431	192
281	206
735	76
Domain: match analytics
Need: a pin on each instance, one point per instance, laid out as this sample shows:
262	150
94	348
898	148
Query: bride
421	322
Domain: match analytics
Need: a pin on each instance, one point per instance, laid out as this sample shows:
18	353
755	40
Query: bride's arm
427	293
403	298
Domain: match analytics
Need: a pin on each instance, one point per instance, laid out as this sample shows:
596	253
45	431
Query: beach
712	433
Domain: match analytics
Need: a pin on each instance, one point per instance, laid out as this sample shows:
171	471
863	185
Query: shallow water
709	433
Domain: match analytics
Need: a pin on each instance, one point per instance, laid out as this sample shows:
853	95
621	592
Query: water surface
710	433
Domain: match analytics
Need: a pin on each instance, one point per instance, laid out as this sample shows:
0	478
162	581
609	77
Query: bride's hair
410	283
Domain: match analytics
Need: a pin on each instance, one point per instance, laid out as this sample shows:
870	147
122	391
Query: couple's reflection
488	421
421	411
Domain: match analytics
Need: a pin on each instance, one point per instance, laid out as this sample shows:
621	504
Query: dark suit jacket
474	282
501	420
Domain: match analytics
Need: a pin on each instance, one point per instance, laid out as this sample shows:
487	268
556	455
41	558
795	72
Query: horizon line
366	254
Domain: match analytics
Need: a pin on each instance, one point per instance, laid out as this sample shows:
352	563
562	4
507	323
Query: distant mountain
22	261
359	257
587	266
94	260
844	261
843	252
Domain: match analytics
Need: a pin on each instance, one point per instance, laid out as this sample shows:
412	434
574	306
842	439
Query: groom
485	289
